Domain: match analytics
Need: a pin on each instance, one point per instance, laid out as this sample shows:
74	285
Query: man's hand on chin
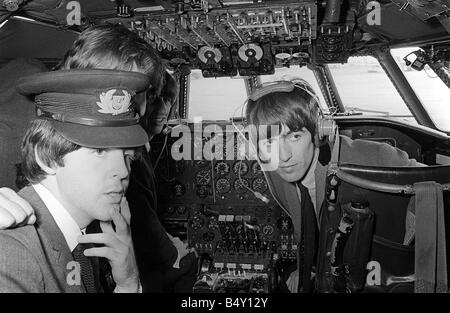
118	250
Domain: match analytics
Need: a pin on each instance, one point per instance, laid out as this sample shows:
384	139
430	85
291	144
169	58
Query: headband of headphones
283	86
268	88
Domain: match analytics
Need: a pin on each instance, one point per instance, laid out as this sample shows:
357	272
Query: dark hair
111	46
169	94
295	109
50	146
170	88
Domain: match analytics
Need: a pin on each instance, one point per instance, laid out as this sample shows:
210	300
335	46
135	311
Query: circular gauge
259	184
284	223
181	209
203	177
267	229
256	168
197	222
213	223
240	184
240	167
170	210
223	185
202	192
222	168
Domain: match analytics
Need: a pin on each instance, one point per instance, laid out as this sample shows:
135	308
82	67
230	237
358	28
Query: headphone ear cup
326	127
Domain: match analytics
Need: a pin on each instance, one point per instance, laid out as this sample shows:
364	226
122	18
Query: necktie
308	241
104	281
87	271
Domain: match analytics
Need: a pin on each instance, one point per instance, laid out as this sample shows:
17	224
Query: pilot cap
91	108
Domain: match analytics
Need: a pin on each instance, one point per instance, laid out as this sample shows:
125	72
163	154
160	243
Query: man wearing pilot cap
76	156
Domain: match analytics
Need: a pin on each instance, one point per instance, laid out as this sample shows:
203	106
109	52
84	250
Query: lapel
55	247
320	177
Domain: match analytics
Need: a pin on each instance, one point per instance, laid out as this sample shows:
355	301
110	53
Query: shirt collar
63	219
309	180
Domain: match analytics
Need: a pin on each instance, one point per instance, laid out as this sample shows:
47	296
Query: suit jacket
35	258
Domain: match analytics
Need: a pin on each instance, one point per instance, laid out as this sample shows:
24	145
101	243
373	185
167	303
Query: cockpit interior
381	70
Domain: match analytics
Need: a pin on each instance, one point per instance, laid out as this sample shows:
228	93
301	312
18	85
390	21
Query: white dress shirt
63	219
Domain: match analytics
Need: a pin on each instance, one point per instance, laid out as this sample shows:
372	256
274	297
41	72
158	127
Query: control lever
336	257
208	212
204	264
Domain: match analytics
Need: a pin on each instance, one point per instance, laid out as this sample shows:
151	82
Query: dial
240	167
181	209
170	210
284	223
222	168
256	168
197	222
202	192
239	185
267	229
213	223
203	177
223	185
259	184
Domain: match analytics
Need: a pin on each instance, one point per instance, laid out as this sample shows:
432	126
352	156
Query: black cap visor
102	137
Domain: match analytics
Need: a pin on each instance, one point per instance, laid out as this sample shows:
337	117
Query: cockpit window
223	97
430	89
365	89
296	72
215	98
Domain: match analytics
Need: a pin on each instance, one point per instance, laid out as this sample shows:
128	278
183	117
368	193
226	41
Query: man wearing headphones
292	140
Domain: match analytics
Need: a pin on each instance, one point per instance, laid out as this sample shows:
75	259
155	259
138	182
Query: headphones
326	127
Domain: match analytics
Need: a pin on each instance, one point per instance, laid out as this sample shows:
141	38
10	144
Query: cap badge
114	104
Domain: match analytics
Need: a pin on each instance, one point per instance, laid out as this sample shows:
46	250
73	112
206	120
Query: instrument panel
233	39
215	204
234	24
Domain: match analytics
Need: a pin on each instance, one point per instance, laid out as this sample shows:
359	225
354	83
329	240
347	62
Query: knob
12	5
